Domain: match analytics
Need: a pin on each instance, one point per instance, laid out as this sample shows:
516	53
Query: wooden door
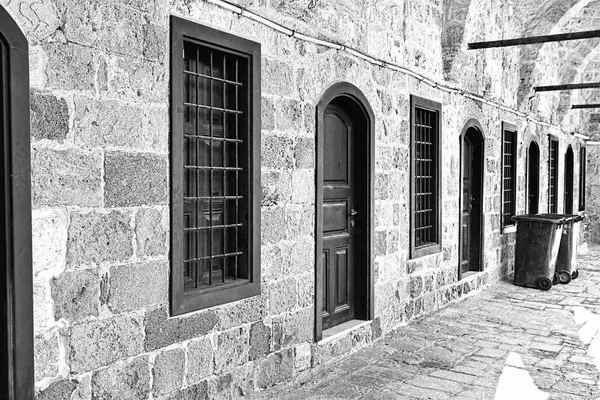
569	181
466	206
533	179
339	210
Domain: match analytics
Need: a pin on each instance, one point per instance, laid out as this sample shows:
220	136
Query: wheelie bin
536	251
566	263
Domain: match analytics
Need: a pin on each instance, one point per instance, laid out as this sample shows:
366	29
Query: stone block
416	286
276	188
41	309
66	177
277	78
267	111
156	38
275	368
58	390
76	294
302	257
168	372
162	331
49	117
198	391
232	351
98	343
303	186
380	243
150	233
243	312
282	296
277	152
292	329
125	380
272	223
134	179
300	221
260	340
303	357
115	123
288	115
136	78
99	237
304	153
137	286
306	290
219	387
49	238
46	354
200	360
70	66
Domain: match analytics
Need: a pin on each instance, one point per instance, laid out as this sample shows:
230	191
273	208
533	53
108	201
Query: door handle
353	212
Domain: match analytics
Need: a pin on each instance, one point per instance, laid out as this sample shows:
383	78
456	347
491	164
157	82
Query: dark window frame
509	150
16	298
553	174
182	300
582	172
433	108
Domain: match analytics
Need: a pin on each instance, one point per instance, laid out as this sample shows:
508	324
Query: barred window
553	177
509	173
582	168
215	167
425	182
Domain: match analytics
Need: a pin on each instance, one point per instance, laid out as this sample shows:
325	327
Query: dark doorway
344	201
16	297
471	214
533	178
569	181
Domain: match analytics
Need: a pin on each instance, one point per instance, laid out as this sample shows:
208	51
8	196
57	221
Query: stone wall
100	181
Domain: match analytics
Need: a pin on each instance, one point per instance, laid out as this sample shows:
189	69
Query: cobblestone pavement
463	350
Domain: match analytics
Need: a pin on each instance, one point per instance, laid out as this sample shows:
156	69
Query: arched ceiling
541	64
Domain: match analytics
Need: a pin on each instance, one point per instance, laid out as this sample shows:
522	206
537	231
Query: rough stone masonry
100	131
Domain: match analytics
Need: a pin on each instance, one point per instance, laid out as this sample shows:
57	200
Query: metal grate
582	168
509	176
425	196
553	177
214	91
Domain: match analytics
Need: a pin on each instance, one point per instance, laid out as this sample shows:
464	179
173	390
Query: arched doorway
344	207
533	178
16	298
471	198
568	207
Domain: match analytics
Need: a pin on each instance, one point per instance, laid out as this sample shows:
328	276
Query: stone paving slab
462	351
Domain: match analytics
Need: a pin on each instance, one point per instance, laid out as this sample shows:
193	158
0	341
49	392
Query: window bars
425	177
509	175
214	106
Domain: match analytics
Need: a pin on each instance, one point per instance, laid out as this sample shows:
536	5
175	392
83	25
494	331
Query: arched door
344	223
471	215
569	181
533	178
16	298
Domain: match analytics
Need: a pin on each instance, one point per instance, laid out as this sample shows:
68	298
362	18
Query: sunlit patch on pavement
515	382
588	333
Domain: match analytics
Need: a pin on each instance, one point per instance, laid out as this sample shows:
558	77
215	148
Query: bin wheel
575	274
544	283
565	276
555	278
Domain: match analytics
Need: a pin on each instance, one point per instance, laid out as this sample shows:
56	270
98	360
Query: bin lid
571	217
551	218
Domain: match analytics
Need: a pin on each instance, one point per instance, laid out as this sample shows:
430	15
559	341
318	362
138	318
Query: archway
344	208
471	198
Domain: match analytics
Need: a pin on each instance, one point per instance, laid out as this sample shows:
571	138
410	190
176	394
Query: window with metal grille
553	177
509	173
425	183
215	164
582	167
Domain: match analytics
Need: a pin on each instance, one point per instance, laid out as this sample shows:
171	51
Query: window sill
342	329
